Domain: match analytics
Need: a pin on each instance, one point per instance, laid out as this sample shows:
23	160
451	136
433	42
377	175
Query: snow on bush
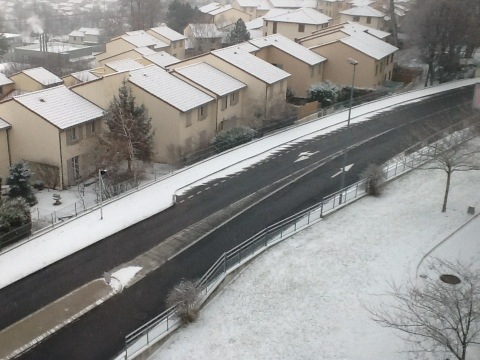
326	93
227	139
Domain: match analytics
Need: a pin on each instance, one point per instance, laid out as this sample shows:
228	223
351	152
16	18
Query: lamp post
345	153
100	180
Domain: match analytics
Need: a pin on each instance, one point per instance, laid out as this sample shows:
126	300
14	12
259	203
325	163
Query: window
389	75
212	40
274	27
301	27
312	68
188	119
388	58
75	167
369	19
180	44
74	38
73	134
391	58
234	98
356	18
202	112
174	44
224	102
376	69
385	77
92	127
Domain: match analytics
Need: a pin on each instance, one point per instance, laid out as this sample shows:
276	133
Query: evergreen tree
3	44
18	180
239	33
129	127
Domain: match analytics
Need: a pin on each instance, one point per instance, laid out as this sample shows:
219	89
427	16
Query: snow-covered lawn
303	299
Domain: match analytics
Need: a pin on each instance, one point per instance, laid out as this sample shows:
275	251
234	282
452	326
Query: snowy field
303	298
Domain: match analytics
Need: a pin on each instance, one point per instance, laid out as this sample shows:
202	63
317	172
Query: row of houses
55	123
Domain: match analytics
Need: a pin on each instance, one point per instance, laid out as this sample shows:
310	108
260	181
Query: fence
168	321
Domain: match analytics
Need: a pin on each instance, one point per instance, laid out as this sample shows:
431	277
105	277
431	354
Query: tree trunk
447	189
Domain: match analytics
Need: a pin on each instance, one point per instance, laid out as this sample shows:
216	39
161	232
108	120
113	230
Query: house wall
131	54
4	155
289	30
329	8
231	15
26	83
114	47
322	39
375	22
5	89
302	74
176	48
107	86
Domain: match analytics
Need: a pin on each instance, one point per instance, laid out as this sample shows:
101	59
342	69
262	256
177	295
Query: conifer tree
239	33
18	180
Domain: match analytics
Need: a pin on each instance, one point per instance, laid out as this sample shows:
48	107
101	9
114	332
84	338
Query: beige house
202	38
364	15
35	79
161	59
227	91
183	116
79	77
254	8
374	56
4	150
304	65
332	8
294	24
120	66
6	85
224	15
135	53
175	40
84	36
129	41
52	129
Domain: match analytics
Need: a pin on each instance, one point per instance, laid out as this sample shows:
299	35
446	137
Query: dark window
356	18
274	27
369	20
301	27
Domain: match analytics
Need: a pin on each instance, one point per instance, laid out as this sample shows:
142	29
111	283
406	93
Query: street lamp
342	181
100	180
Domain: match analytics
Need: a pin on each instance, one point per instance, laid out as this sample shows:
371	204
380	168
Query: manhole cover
450	279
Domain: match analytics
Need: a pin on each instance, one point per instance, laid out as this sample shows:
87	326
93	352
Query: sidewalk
31	330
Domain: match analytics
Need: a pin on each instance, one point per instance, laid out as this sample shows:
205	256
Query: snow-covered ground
305	298
121	213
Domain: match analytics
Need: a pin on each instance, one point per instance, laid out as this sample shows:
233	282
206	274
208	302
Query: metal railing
168	321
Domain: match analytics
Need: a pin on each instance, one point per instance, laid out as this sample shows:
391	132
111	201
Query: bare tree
437	313
184	297
374	177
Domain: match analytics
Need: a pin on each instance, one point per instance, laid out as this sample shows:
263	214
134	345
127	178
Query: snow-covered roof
211	78
90	31
255	33
259	4
4	124
358	3
363	11
209	7
251	64
168	33
59	106
220	10
124	65
42	76
350	27
76	33
205	31
142	39
4	80
369	45
144	51
294	3
169	88
84	76
290	47
254	24
300	16
162	59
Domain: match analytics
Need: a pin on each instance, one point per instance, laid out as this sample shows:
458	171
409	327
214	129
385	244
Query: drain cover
450	279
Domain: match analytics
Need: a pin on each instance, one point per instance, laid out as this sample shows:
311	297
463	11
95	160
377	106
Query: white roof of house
363	11
42	76
290	47
254	24
142	39
84	76
369	45
162	59
259	4
294	3
124	65
300	16
60	106
358	3
168	33
4	124
251	64
211	78
90	31
4	80
205	31
169	88
209	7
220	10
255	33
351	27
76	33
144	51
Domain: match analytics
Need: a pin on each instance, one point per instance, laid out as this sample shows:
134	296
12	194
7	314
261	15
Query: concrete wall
4	155
322	39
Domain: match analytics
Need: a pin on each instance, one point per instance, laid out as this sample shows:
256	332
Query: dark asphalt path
86	340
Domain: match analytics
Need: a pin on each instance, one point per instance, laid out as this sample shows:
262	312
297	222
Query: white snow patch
121	278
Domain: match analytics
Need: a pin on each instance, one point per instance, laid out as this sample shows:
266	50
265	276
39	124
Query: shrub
39	185
184	297
374	178
15	221
326	93
227	139
19	183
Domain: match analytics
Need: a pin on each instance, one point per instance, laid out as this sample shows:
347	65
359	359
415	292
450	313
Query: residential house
224	15
202	38
331	8
364	15
294	24
175	40
374	56
5	162
79	77
255	8
120	66
135	53
85	36
52	128
293	4
304	65
183	116
6	85
161	59
35	79
228	91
